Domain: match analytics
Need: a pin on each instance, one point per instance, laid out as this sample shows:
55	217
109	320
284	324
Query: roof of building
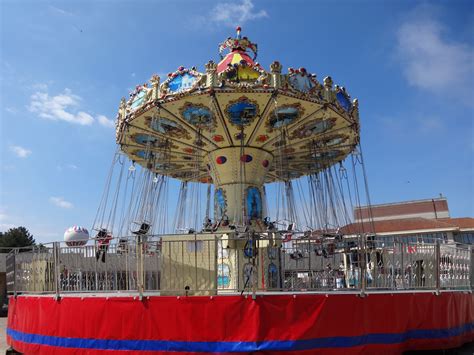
409	209
409	226
463	222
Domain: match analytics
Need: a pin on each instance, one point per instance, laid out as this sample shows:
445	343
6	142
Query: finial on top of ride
238	126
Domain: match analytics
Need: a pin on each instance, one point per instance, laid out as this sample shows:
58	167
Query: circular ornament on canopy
221	160
246	158
218	138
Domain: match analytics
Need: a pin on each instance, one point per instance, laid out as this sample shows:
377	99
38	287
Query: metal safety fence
210	264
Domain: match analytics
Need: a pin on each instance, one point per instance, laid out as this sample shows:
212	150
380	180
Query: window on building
464	237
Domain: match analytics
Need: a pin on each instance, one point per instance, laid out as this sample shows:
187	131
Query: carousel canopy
208	126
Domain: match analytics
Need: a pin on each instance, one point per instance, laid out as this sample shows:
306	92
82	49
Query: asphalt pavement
3	336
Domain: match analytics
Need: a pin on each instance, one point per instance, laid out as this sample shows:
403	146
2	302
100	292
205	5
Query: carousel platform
303	323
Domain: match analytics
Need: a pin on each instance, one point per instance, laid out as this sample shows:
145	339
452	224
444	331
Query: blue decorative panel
167	127
313	128
142	154
138	100
254	203
181	82
335	140
242	112
283	116
248	250
223	276
344	101
220	203
301	83
272	276
197	115
329	155
144	139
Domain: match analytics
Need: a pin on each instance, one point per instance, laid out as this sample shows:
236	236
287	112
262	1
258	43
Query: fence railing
197	264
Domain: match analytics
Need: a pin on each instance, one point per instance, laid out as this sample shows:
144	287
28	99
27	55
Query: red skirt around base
306	324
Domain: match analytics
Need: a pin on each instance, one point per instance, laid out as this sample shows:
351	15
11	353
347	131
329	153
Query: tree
14	238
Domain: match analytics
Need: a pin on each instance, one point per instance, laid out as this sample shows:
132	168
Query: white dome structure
76	236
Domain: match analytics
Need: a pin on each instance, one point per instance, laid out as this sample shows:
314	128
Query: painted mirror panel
220	203
138	100
254	203
283	116
242	112
272	276
223	276
144	139
301	83
182	82
343	101
167	127
197	115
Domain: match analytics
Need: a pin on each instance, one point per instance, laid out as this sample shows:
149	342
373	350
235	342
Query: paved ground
3	340
467	349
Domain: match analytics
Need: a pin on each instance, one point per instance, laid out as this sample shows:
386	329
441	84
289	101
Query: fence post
471	268
140	246
363	283
56	251
437	266
254	267
15	284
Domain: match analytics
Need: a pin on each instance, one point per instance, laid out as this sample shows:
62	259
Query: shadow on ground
466	349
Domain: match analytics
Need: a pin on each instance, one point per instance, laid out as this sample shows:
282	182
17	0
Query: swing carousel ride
238	127
279	156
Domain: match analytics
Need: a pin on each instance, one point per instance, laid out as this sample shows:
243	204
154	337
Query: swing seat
122	246
143	229
102	233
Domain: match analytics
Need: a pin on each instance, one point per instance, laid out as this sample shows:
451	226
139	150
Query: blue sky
66	64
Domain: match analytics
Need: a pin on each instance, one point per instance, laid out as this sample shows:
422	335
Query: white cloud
39	86
430	124
20	152
67	166
60	107
6	226
60	11
60	202
234	14
104	121
11	110
430	60
5	221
